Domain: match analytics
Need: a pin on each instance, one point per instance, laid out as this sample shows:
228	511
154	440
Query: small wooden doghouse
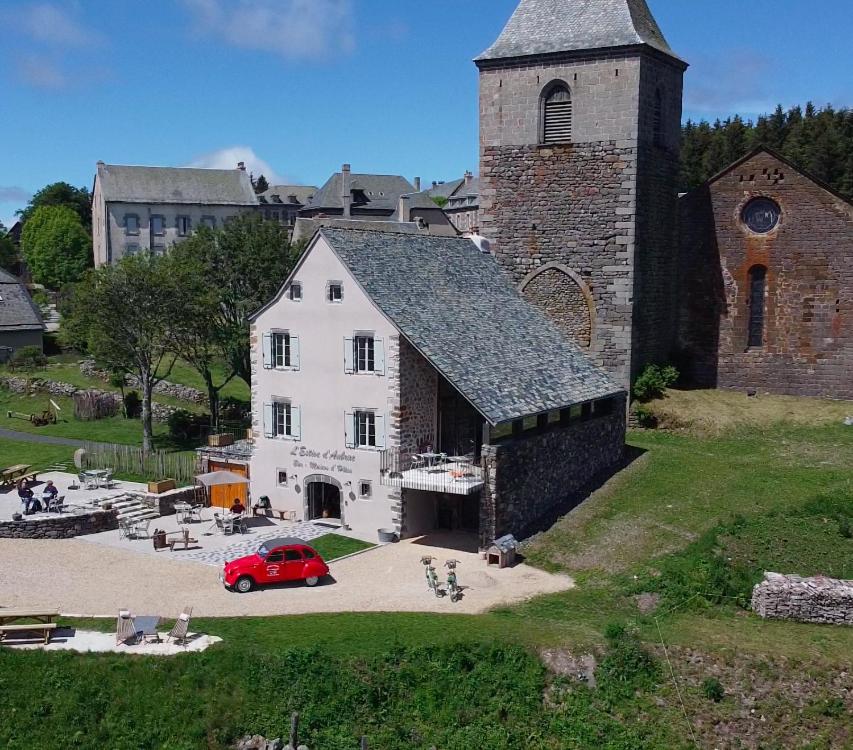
502	552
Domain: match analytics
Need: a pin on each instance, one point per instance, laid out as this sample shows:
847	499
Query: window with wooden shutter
557	115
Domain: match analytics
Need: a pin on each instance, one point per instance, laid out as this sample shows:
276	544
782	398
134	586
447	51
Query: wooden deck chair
125	627
181	629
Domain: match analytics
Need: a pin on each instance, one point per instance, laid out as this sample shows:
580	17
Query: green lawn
333	546
694	520
186	374
13	452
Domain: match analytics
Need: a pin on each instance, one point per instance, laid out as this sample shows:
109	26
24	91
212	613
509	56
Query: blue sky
296	87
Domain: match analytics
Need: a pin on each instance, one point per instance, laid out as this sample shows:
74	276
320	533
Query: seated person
237	509
49	493
26	495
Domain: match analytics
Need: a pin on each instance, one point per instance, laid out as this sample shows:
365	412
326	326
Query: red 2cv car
276	561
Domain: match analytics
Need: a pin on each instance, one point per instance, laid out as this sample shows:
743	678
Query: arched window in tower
556	114
757	304
657	124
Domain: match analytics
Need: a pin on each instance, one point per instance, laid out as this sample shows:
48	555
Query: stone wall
821	600
163	388
564	301
531	478
60	526
418	393
808	336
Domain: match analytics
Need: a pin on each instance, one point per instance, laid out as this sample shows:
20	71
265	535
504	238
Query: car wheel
312	581
244	584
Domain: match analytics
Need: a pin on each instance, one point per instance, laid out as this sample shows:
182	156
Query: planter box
220	441
162	485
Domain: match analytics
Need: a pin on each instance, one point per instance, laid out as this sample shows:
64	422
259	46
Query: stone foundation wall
820	600
418	393
60	526
164	387
533	477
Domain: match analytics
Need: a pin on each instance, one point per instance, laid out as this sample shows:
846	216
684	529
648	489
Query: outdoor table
9	616
98	475
430	459
11	473
147	625
183	511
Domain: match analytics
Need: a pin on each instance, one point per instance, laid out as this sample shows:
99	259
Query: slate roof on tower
455	305
541	27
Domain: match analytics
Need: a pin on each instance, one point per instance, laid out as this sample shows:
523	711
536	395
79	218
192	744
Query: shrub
181	424
712	689
27	358
132	405
645	417
627	666
653	381
845	527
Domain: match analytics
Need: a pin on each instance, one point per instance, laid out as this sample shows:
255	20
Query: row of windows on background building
334	291
363	352
157	225
363	428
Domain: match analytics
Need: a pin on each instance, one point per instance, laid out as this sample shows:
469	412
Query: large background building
580	117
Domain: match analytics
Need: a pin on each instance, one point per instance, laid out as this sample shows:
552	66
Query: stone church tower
580	123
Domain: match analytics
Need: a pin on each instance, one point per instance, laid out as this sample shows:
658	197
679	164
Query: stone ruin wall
826	601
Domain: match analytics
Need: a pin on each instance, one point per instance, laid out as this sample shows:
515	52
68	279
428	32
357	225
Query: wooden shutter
268	364
295	361
269	421
349	355
349	429
379	356
380	431
557	127
296	422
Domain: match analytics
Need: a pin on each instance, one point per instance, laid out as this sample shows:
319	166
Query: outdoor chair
225	525
417	461
107	479
180	631
126	530
125	627
57	505
87	481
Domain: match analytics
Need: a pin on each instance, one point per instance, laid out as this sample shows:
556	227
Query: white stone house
138	209
383	348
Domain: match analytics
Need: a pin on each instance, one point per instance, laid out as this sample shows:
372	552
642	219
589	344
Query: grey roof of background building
454	189
303	194
217	187
456	306
18	312
382	191
306	228
540	27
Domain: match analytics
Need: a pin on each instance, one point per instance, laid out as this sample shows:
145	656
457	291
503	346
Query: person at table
237	509
28	502
49	493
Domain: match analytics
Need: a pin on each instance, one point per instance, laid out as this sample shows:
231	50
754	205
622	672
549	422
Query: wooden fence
131	459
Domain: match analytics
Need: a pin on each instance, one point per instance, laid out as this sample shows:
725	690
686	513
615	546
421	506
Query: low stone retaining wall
826	601
60	526
164	387
164	503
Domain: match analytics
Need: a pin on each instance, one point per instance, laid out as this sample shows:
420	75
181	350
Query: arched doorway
323	499
565	298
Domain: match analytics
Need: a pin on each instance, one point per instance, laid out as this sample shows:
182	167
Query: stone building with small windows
767	281
401	382
580	117
138	209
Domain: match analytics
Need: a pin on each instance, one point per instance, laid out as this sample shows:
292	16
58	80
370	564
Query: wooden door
225	495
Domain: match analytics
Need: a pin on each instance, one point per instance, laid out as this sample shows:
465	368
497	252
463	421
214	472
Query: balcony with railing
431	472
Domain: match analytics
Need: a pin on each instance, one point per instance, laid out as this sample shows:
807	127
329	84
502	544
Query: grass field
694	521
333	546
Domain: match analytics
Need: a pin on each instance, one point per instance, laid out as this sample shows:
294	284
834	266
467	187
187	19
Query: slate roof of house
381	190
218	187
18	312
454	189
456	306
303	194
540	27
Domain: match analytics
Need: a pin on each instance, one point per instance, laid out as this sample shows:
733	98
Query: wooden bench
283	515
43	628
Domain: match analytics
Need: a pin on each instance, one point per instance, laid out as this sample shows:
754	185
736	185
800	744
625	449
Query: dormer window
556	114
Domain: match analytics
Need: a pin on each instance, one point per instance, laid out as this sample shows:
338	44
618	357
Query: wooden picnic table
9	616
11	473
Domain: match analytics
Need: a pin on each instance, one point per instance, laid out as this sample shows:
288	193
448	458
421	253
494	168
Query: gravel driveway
87	579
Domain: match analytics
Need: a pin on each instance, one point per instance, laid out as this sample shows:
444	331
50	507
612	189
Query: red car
276	561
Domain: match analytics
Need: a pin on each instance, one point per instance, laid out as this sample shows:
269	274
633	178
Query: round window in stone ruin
761	215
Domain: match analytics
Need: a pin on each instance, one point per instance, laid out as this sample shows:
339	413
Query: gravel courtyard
85	579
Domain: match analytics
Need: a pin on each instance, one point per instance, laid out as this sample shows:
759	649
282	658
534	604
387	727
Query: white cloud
737	82
51	24
290	28
13	194
227	158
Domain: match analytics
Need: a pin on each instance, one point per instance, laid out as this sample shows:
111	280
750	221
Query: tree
244	264
261	185
55	246
125	315
8	251
78	200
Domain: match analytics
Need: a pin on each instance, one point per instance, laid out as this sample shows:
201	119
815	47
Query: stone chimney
404	211
469	178
241	166
417	184
346	192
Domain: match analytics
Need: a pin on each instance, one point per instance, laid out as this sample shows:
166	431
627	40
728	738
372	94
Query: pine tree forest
818	141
